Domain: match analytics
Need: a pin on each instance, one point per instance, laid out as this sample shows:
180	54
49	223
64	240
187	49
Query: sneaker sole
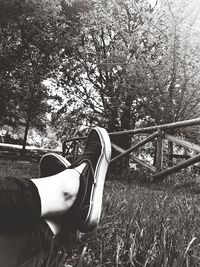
94	212
65	162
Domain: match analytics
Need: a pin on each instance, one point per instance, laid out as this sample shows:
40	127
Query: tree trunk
114	127
26	134
126	125
123	141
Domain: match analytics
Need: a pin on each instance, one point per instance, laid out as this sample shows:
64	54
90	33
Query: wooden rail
159	133
136	160
174	125
141	143
183	143
178	167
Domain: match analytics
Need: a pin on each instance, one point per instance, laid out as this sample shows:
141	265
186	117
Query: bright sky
152	2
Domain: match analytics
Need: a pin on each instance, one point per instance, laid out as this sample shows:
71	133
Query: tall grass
142	226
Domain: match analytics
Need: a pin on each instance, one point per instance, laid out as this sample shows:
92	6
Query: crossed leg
28	207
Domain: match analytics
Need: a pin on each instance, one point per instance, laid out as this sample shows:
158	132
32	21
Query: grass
145	225
142	224
22	168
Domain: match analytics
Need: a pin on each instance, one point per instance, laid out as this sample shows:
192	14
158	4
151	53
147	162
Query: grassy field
146	226
142	224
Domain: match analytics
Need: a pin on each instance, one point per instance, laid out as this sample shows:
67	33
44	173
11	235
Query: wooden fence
73	146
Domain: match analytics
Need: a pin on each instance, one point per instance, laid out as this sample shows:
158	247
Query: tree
34	36
101	73
171	69
132	62
28	48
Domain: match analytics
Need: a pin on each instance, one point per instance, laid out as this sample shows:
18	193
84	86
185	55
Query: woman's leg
36	244
27	247
20	205
24	202
58	192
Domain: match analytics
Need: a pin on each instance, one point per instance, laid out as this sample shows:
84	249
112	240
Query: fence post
74	150
159	151
64	147
170	153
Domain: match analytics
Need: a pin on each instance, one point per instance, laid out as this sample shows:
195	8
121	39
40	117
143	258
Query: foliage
97	69
172	66
132	64
28	47
133	61
113	63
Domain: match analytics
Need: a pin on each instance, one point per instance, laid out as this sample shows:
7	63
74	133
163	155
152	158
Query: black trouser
25	238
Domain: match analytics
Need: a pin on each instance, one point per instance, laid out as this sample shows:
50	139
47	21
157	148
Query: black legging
25	238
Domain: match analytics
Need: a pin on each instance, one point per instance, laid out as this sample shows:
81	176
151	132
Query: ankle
80	168
70	182
61	194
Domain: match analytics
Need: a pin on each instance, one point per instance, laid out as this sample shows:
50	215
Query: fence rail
174	125
159	133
